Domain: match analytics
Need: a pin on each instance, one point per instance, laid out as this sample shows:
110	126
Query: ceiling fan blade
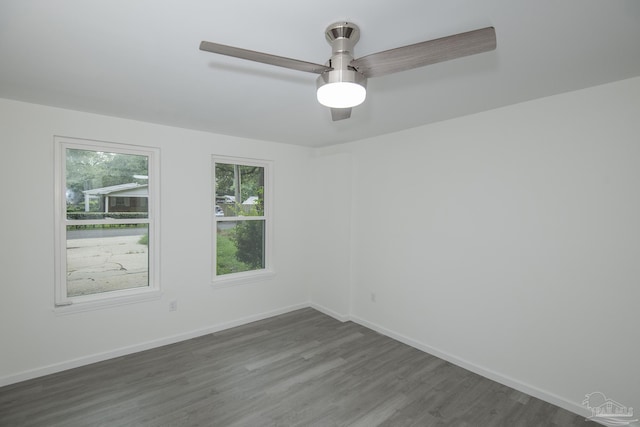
426	53
265	58
340	113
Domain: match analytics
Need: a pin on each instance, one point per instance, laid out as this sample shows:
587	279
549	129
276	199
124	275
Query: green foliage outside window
240	244
250	243
227	255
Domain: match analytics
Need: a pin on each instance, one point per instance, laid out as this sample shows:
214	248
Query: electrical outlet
173	305
373	297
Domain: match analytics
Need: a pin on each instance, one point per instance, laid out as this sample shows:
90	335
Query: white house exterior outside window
107	222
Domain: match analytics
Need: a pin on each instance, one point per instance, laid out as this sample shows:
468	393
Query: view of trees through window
107	226
240	218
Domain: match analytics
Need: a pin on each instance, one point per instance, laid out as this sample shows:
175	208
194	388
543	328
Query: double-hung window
107	213
242	219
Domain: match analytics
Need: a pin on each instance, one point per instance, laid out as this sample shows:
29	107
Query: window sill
242	278
79	305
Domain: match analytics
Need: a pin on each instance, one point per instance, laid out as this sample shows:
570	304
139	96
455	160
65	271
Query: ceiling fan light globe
341	94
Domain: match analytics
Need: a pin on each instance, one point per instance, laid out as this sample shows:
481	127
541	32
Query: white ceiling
139	59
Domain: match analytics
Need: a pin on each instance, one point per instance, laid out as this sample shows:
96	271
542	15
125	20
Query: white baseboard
329	312
544	395
123	351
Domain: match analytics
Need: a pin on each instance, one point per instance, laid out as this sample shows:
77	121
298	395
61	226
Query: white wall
34	339
509	242
330	238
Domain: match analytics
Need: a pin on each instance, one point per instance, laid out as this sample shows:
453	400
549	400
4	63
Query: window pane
239	246
103	258
239	189
101	184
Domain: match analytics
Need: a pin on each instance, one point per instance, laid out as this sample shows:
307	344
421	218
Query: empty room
409	213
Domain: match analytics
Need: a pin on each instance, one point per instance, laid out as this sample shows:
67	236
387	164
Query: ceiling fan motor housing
342	36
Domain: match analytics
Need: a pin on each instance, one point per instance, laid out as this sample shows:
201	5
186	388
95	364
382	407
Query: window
106	222
241	215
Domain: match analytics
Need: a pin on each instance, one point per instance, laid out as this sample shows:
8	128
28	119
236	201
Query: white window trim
234	279
64	304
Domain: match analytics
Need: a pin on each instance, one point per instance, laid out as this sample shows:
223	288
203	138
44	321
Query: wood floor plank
299	369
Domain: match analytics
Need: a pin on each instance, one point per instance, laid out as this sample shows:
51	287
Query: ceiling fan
342	82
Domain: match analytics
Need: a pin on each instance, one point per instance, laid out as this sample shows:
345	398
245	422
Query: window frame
69	304
232	279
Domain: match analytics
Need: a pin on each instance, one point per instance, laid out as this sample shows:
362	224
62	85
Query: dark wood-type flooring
299	369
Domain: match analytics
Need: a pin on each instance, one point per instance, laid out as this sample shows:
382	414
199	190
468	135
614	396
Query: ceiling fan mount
342	81
342	36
